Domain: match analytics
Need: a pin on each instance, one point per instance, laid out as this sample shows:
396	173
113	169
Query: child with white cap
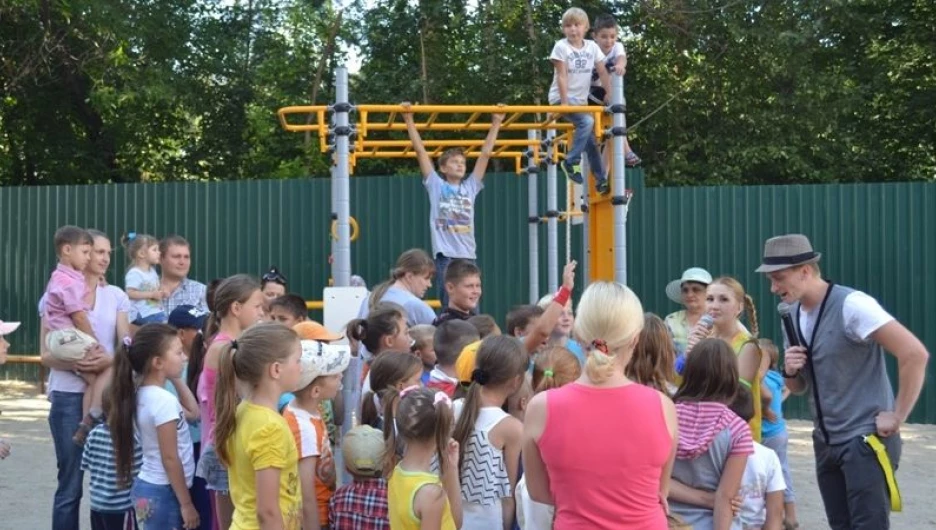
361	505
322	366
5	329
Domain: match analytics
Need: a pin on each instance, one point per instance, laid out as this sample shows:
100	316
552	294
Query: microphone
788	328
707	322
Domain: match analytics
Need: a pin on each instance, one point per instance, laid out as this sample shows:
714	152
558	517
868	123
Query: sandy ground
27	477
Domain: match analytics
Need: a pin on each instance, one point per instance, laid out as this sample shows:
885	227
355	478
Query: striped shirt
701	422
100	461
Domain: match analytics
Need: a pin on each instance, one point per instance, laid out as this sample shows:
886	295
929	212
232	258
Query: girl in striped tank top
489	437
421	419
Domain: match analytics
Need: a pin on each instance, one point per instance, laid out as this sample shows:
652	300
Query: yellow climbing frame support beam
379	130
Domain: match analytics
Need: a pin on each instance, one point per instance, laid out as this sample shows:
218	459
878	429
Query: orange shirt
311	436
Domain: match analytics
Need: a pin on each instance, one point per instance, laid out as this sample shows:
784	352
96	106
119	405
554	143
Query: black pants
113	520
852	483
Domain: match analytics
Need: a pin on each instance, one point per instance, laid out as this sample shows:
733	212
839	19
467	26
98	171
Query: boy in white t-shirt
762	484
606	36
573	59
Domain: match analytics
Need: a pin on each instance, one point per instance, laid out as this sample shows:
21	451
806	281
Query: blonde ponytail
610	317
751	315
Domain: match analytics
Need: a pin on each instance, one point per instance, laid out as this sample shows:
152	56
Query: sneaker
631	159
573	173
603	186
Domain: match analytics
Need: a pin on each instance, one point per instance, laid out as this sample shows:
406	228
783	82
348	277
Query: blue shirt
576	349
100	461
774	382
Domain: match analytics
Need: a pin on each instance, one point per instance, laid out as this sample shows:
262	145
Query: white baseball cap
693	274
319	359
8	327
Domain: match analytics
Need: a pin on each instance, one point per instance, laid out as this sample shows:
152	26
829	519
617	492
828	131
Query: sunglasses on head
274	276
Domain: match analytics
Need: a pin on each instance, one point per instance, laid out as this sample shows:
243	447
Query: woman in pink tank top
601	449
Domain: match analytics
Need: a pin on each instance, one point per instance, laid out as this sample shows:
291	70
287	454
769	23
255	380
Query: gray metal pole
342	179
618	199
532	171
333	217
552	213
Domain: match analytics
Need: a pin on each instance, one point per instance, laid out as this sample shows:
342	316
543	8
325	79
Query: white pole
552	214
532	171
342	179
618	199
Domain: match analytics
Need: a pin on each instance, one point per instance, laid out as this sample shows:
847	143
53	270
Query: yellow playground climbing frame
354	132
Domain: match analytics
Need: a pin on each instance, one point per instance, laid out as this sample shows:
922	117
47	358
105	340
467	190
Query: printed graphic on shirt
581	61
456	210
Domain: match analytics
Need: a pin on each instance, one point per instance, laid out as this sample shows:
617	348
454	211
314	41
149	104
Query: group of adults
109	316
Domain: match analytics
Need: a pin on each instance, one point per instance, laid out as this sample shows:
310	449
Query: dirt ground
27	477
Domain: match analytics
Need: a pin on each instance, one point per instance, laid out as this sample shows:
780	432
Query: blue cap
187	317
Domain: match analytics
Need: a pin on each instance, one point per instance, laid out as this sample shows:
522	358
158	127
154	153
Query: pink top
65	294
604	450
207	380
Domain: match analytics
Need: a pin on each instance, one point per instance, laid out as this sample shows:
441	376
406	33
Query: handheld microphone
788	328
707	322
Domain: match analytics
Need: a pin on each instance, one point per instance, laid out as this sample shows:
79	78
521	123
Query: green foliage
718	92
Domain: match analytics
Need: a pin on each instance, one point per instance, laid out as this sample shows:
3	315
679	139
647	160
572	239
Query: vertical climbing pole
333	217
552	215
618	186
532	171
341	180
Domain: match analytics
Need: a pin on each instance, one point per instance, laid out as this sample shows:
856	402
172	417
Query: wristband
562	296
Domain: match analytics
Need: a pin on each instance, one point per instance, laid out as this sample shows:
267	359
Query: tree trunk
320	71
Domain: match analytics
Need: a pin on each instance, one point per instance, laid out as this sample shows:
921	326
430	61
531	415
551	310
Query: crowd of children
232	418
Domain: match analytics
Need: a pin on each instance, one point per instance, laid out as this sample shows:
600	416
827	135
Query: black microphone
788	328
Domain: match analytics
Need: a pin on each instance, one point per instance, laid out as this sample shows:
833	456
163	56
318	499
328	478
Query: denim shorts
212	470
155	318
156	506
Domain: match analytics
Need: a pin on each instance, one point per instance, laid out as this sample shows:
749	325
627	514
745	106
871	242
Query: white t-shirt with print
579	63
862	314
762	475
145	282
157	406
616	51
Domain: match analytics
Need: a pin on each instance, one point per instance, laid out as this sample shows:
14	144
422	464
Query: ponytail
121	420
599	364
378	293
391	399
751	315
465	425
369	413
225	401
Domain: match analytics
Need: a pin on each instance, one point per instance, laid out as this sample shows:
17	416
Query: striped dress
100	461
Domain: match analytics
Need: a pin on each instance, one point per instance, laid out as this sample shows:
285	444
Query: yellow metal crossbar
387	122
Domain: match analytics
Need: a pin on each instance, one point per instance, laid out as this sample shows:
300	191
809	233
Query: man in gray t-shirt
840	337
451	198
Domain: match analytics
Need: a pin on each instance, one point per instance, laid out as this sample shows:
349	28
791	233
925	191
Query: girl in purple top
238	304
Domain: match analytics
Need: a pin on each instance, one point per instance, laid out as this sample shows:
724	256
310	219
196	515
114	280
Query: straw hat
693	274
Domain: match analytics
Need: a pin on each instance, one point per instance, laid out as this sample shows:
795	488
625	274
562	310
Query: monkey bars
378	131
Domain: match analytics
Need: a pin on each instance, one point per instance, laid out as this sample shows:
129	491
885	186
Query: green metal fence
880	238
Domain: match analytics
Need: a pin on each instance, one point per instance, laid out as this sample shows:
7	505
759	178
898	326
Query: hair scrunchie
480	376
600	345
234	345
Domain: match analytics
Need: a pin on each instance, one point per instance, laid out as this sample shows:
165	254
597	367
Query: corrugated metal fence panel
879	238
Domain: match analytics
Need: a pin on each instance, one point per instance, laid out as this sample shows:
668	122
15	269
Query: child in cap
321	371
361	505
5	329
190	320
450	339
65	308
111	506
330	408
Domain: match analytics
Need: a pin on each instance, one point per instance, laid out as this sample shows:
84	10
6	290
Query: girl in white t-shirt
141	280
762	484
159	420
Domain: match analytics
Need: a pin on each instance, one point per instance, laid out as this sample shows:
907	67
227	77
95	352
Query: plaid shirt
189	292
361	505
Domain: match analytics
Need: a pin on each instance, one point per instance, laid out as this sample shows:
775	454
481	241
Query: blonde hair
610	317
746	301
575	14
553	368
422	335
246	359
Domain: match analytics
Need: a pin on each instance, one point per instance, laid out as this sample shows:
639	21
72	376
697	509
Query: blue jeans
584	140
200	494
64	417
157	507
